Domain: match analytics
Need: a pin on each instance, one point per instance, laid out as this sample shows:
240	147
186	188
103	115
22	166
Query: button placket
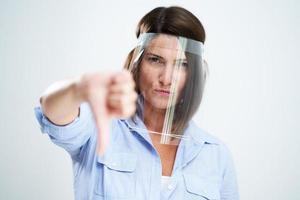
169	189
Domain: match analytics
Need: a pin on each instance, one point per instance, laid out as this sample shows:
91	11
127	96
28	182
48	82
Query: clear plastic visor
167	70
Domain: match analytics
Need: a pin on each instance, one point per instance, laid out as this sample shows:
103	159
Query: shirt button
114	164
170	187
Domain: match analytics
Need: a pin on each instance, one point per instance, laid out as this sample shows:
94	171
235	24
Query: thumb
102	124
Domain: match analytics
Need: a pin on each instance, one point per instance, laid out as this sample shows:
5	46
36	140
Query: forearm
61	100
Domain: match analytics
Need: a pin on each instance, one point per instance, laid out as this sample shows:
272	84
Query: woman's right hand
109	95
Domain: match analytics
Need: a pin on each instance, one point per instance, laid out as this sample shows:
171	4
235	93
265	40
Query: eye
153	59
183	64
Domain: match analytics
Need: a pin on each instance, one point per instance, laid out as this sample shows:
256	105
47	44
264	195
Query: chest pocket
200	189
116	176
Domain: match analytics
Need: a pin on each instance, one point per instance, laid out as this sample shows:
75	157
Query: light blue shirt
131	168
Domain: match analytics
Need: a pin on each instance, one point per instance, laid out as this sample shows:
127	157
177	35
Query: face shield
169	74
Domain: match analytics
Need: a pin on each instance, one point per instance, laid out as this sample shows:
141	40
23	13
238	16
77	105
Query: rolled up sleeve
72	136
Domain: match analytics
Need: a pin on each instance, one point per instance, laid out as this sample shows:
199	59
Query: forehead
165	41
166	46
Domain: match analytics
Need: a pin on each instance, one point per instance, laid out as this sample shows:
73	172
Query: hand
109	95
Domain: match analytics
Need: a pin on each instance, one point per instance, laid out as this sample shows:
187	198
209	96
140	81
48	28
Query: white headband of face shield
186	44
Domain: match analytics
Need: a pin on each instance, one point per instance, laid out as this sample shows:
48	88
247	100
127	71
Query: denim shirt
131	168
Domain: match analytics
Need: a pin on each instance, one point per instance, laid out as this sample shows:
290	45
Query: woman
130	134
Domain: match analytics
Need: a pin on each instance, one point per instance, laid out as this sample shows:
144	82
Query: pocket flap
201	187
124	162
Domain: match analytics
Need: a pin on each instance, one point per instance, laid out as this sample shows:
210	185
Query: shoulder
200	136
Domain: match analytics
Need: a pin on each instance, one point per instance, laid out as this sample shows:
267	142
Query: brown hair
177	21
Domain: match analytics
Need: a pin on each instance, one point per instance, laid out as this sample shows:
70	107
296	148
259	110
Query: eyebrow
152	54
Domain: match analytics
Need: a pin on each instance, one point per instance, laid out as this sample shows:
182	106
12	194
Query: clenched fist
109	95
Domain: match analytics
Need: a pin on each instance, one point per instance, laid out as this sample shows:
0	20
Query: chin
159	103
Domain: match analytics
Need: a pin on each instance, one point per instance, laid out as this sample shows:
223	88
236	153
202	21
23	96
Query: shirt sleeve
72	136
229	187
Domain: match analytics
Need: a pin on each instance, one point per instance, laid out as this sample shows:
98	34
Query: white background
251	100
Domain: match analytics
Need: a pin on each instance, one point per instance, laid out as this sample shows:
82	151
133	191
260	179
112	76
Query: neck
153	117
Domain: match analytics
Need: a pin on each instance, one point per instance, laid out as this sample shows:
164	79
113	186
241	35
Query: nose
166	75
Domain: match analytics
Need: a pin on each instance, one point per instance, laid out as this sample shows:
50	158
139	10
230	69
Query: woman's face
163	64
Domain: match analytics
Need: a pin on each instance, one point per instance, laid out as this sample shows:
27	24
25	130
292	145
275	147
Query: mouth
162	92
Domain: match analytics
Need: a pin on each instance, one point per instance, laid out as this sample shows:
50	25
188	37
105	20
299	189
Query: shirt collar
136	125
197	135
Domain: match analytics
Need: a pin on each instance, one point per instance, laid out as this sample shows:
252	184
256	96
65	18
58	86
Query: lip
162	92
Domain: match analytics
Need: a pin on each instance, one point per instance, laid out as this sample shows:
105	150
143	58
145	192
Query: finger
122	88
121	100
122	76
102	123
124	112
